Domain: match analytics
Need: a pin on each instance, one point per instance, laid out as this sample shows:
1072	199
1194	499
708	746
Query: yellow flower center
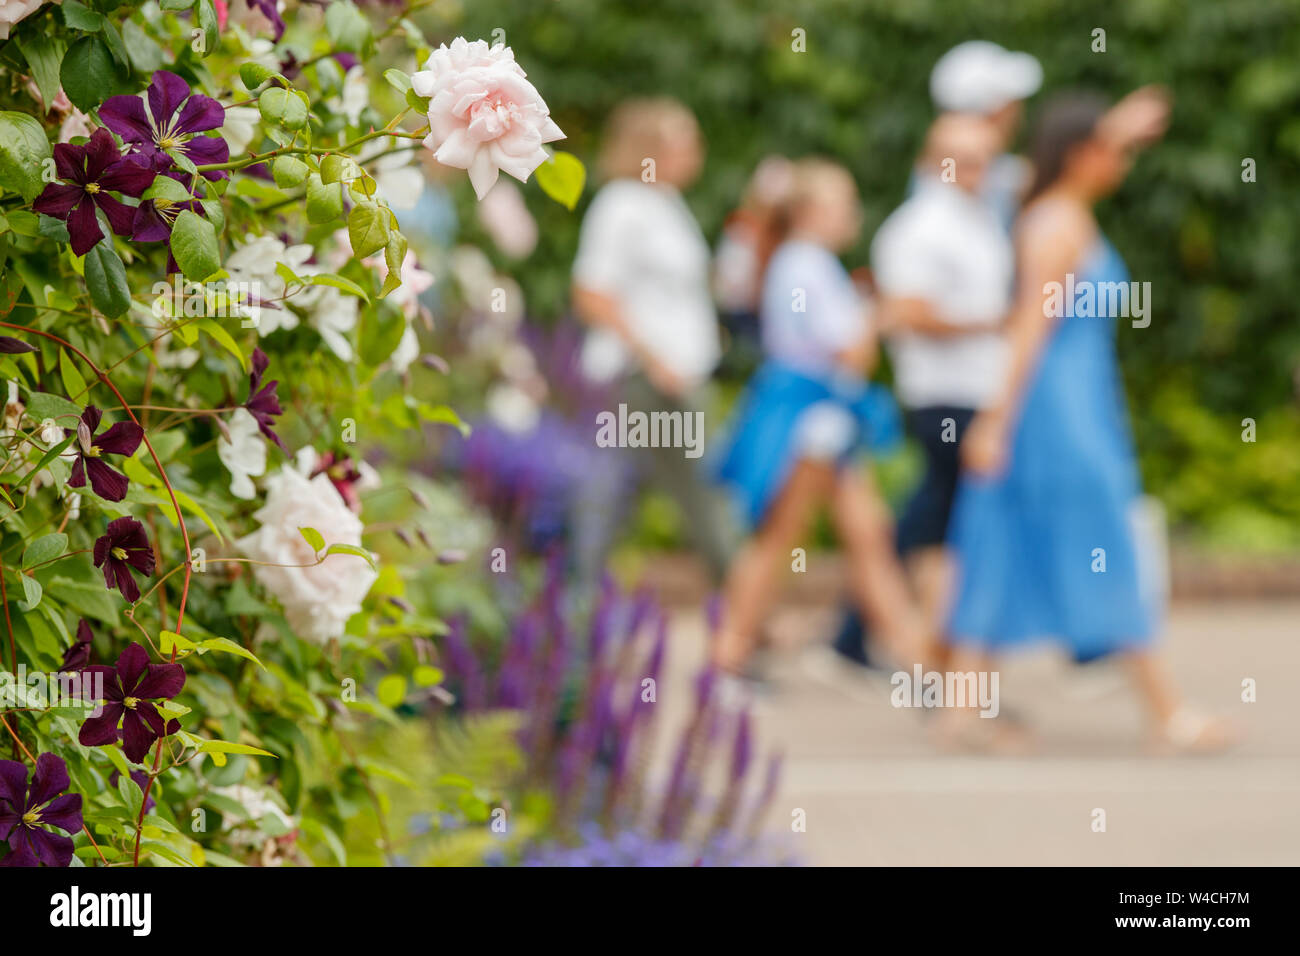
166	142
32	817
92	188
119	553
130	702
92	452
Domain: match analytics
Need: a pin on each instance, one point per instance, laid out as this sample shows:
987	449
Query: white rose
317	600
244	455
11	11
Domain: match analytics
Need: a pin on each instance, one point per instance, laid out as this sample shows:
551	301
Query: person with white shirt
944	268
641	285
803	418
980	80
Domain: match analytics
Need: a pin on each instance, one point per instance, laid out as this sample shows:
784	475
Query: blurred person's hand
1139	119
984	447
663	378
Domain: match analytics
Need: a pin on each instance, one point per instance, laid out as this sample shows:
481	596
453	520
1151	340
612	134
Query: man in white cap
981	77
943	265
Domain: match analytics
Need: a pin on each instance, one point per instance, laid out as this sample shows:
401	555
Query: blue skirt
760	449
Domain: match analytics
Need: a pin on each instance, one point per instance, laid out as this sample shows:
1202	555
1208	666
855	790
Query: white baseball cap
982	77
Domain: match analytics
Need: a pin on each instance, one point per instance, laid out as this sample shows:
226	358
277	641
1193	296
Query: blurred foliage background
1220	253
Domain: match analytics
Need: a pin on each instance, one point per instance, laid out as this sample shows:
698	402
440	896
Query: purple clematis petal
161	681
83	228
50	779
58	200
137	738
121	439
126	117
101	730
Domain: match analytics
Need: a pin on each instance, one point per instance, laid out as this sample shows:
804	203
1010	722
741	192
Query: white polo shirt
947	247
640	244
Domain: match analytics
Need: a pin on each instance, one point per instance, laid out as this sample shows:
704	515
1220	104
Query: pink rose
484	115
11	11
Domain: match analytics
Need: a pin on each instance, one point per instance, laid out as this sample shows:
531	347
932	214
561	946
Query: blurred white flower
244	455
240	128
317	600
354	96
512	408
254	263
506	219
397	179
334	314
484	115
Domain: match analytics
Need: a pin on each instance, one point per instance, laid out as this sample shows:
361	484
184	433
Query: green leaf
164	187
31	594
167	640
89	73
336	168
398	80
146	55
43	405
347	27
226	747
214	329
44	53
207	21
313	538
288	171
283	107
106	278
416	102
254	75
442	415
562	178
48	457
367	228
391	690
338	282
73	383
44	549
353	550
394	256
227	646
80	17
23	153
427	676
194	246
324	202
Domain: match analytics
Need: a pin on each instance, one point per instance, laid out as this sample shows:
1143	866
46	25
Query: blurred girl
806	412
641	284
1043	527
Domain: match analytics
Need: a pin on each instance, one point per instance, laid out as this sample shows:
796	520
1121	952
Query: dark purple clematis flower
25	812
91	172
271	10
122	547
129	691
262	403
154	218
141	780
174	117
121	439
12	346
77	656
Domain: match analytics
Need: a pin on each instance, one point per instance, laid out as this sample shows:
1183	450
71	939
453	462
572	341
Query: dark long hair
1067	120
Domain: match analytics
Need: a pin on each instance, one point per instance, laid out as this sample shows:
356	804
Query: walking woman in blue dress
1043	526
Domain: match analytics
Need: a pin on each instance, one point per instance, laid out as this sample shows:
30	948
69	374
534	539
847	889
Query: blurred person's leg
753	578
600	500
875	575
1176	726
704	511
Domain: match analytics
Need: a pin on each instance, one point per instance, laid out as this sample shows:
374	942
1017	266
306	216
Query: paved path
876	791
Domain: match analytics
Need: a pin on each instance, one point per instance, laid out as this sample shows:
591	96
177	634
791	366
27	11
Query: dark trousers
924	523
